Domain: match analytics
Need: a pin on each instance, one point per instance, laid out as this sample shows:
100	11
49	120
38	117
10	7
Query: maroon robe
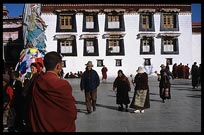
53	106
104	72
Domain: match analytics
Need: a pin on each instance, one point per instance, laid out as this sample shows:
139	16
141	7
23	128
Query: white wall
132	58
196	48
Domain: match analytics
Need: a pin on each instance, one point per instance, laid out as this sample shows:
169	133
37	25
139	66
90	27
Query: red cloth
9	91
104	72
53	106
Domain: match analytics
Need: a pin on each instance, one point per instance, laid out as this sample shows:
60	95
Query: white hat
140	69
89	63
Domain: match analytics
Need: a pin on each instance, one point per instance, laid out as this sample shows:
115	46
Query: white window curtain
89	25
66	49
113	25
168	48
146	48
90	49
115	49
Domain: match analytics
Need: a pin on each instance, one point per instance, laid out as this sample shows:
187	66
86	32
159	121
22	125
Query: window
63	63
118	62
169	21
147	46
90	23
169	46
114	22
67	47
147	62
115	47
146	22
99	63
91	47
169	61
66	23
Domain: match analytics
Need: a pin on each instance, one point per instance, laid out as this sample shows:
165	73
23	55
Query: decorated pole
34	39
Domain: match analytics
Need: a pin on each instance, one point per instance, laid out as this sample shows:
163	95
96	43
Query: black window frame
95	18
100	63
96	52
152	46
64	63
118	62
176	22
169	61
121	19
149	62
74	47
176	45
121	44
151	22
73	16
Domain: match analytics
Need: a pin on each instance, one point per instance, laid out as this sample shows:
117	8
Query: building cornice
46	8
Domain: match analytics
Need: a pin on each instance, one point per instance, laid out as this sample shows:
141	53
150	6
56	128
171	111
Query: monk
53	107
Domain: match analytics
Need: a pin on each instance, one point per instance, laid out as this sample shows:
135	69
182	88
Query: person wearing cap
8	111
89	83
140	99
164	83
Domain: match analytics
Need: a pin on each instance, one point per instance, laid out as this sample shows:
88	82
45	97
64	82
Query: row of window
67	47
118	62
115	22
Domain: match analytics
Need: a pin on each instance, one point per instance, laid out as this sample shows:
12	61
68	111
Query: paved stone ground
182	113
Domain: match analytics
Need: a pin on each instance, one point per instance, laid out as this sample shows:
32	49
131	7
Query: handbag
158	77
140	98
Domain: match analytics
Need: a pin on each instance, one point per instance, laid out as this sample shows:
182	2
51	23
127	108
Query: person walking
140	99
53	107
195	75
122	84
164	83
104	72
18	102
89	83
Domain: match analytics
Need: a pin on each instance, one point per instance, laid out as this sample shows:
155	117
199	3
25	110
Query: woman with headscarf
122	84
140	99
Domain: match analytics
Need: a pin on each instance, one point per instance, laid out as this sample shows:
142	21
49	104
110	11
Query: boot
94	105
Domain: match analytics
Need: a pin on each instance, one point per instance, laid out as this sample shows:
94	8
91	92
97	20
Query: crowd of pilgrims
16	96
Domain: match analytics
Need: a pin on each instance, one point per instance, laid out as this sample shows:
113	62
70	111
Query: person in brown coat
53	107
122	84
140	99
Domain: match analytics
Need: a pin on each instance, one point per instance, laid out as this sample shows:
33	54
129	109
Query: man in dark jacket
89	83
18	102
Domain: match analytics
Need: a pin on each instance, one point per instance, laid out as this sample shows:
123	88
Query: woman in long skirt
140	99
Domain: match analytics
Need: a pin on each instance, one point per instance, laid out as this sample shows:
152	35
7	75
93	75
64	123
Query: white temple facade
120	36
